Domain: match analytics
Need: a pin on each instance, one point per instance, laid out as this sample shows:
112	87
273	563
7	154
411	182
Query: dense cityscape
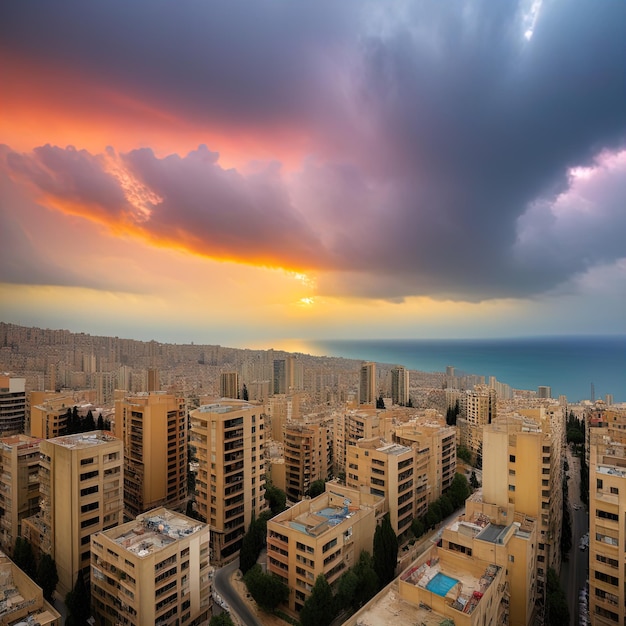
152	483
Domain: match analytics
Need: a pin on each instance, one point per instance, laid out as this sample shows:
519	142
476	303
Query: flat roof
152	533
493	533
394	448
84	440
218	407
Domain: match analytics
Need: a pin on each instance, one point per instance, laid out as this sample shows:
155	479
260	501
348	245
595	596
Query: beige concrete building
308	457
400	385
48	419
81	484
367	384
153	570
607	518
19	486
386	470
479	409
230	482
523	469
229	385
12	405
153	427
22	601
435	462
324	535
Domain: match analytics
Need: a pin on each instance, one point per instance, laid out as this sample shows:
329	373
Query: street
574	572
237	606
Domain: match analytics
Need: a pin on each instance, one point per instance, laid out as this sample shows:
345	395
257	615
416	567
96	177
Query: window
511	458
614	490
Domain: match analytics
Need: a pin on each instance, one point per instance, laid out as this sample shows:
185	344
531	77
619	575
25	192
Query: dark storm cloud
439	132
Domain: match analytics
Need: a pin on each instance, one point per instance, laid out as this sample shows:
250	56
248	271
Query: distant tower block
608	398
154	382
367	383
544	391
593	392
229	385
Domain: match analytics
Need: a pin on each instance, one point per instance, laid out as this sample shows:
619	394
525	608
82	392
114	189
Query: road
222	585
574	572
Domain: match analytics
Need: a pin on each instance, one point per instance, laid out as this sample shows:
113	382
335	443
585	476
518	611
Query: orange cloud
58	106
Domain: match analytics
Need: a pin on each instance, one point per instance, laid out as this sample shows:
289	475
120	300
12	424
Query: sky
239	172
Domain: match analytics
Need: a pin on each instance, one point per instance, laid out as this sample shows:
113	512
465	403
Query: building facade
308	457
367	384
12	405
153	570
19	486
153	427
324	535
400	385
81	484
228	438
229	385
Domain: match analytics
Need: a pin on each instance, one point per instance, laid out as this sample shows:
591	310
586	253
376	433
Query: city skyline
238	174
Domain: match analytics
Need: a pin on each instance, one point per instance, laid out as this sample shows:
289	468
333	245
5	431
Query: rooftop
84	440
153	531
218	407
394	448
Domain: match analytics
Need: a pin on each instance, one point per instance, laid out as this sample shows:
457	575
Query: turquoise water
441	584
567	364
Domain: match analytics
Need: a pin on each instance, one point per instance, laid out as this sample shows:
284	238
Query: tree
557	611
100	423
346	590
464	454
47	576
244	393
249	551
368	580
385	551
276	497
445	505
223	619
473	481
78	603
459	490
316	488
24	558
89	423
267	590
318	607
410	403
417	527
380	403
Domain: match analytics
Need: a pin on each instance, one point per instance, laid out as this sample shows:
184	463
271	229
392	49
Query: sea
580	368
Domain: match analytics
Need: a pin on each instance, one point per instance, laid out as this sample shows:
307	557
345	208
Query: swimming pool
441	584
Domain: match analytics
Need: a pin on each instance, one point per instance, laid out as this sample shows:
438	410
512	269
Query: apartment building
19	486
435	463
479	409
400	385
229	385
386	470
12	405
48	418
607	517
81	484
324	535
308	456
523	469
152	570
22	602
153	427
230	483
367	384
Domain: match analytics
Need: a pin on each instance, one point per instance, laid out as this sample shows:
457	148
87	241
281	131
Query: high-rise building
543	391
154	380
280	384
367	384
324	535
19	486
523	469
153	570
386	470
607	517
228	438
479	408
48	419
81	484
229	385
12	405
400	385
308	457
153	427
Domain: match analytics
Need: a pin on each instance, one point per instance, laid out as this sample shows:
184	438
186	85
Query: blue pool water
441	584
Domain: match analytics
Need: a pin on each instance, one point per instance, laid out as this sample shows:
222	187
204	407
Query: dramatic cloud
424	148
